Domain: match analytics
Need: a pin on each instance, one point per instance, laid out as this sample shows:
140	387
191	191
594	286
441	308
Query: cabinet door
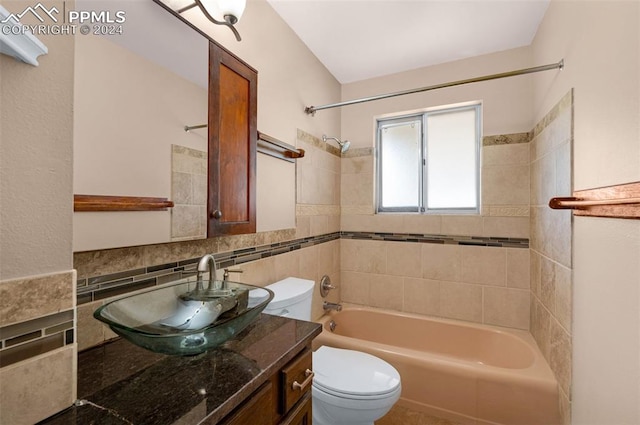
233	86
257	410
301	415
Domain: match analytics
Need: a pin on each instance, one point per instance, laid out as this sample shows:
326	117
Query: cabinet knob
217	214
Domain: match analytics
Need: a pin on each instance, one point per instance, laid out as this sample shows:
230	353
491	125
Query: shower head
344	146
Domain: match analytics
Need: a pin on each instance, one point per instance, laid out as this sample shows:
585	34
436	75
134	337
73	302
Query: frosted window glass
451	160
400	165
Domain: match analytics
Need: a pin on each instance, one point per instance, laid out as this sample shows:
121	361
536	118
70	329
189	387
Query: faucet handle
225	276
326	286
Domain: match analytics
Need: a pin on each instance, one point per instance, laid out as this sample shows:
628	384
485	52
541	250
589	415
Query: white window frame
423	195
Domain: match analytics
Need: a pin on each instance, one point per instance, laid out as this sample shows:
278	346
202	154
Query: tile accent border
506	139
21	341
565	103
109	285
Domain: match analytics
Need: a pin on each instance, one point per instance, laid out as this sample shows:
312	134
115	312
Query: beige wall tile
363	256
287	265
333	223
564	183
505	185
356	189
461	301
27	298
484	265
303	226
564	297
389	223
539	326
548	284
386	291
358	165
506	307
535	272
319	225
422	296
510	154
422	224
544	175
404	259
259	273
506	227
354	287
357	222
461	225
90	332
518	268
309	263
35	389
441	262
560	356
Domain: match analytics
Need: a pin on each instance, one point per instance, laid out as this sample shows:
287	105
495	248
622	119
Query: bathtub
467	373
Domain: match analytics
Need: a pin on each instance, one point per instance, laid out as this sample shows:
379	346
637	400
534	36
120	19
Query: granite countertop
120	383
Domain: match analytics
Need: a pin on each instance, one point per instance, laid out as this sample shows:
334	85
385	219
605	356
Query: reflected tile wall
189	193
551	235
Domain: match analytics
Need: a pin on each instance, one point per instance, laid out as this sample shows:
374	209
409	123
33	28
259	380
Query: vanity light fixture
220	12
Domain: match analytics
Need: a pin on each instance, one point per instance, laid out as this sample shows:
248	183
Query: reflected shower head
344	146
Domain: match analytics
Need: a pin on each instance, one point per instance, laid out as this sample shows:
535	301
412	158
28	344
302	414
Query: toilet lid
353	372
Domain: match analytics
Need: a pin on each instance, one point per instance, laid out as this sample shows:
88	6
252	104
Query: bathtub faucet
327	306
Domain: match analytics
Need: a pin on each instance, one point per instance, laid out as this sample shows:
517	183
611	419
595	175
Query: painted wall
600	42
505	103
36	278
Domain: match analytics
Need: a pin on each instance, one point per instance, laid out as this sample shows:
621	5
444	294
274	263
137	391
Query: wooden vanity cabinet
233	133
278	401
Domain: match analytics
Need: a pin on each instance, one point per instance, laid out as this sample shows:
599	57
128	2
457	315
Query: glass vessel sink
185	318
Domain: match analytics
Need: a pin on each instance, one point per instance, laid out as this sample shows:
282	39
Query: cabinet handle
217	214
309	374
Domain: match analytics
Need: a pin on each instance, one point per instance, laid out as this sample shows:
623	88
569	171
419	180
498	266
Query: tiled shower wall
467	275
551	235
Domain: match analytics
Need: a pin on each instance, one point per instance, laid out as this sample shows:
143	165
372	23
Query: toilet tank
292	298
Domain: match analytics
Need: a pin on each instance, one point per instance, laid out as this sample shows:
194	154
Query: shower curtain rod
311	110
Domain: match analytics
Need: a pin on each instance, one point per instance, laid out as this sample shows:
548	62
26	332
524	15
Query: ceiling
361	39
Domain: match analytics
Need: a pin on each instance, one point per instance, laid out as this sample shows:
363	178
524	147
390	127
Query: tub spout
327	306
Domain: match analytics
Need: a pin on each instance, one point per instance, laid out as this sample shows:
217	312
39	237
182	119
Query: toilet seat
353	375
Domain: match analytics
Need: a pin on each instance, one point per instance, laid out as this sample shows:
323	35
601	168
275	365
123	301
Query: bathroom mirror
134	92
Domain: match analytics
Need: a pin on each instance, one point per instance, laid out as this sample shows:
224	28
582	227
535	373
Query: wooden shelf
119	203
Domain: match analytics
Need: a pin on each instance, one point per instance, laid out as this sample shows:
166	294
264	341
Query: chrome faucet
327	306
207	264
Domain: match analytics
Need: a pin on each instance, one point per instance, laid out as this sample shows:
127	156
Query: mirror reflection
133	95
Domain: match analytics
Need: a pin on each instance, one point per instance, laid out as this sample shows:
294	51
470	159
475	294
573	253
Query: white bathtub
471	374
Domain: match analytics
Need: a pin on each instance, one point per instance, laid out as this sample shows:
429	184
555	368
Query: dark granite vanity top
121	383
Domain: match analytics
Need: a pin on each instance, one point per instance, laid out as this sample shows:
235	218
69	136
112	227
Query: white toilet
349	387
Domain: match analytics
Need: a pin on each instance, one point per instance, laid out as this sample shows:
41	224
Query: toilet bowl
349	387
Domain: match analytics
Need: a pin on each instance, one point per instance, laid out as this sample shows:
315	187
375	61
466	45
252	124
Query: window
430	162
